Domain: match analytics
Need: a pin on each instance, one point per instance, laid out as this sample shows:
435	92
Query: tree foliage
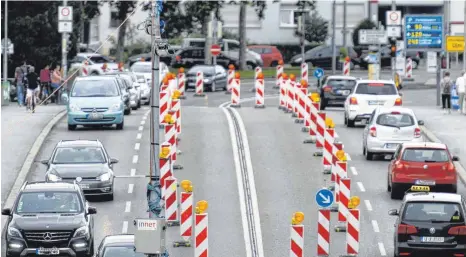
316	28
364	24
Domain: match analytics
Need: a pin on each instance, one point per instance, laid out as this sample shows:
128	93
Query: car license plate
432	239
391	146
95	116
425	182
375	102
84	186
48	251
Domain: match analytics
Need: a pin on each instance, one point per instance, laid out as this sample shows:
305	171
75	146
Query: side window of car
372	117
233	47
185	54
397	152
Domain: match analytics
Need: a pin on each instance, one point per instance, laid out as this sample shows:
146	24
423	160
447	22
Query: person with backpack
446	86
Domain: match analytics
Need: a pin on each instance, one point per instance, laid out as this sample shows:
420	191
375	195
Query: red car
271	56
426	163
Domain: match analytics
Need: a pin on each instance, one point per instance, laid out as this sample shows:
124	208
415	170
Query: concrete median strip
431	137
28	162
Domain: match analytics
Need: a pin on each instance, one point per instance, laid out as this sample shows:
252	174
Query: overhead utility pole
334	10
394	39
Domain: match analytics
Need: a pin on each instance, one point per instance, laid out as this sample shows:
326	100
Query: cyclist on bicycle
33	88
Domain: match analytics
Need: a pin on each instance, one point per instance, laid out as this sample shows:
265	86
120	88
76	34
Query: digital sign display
424	32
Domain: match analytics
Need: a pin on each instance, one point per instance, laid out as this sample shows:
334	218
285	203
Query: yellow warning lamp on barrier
329	122
354	202
292	77
347	59
341	155
181	70
315	97
284	76
298	218
260	75
237	75
176	94
201	206
303	83
165	81
231	67
164	152
169	119
280	62
187	186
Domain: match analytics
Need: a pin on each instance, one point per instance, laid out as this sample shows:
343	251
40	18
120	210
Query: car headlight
116	107
206	80
53	177
74	108
298	59
105	177
13	232
82	232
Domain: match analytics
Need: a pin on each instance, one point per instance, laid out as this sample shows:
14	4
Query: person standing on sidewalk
45	82
19	86
460	90
445	87
56	79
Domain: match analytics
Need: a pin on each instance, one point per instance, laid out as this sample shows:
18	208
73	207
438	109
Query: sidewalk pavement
22	136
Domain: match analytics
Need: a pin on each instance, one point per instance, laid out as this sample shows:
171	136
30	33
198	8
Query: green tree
123	9
364	24
316	28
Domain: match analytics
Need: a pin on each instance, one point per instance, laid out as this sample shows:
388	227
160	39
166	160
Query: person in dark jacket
33	88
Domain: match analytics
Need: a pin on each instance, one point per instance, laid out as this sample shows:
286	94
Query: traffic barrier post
297	235
172	84
257	71
176	108
170	137
279	75
347	66
230	78
302	95
336	147
290	94
323	232
294	89
343	205
409	69
85	69
341	170
353	232
259	85
165	165
320	133
304	72
329	139
314	108
171	202
201	230
186	214
121	66
164	98
282	96
182	83
236	91
199	84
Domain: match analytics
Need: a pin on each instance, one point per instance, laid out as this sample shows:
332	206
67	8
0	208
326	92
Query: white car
389	127
368	95
95	63
144	69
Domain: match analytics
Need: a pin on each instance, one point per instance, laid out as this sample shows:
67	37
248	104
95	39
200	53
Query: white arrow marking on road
326	198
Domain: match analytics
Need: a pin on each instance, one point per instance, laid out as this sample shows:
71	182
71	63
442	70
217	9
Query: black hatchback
335	90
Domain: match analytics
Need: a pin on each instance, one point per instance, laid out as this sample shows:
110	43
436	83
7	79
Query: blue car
96	100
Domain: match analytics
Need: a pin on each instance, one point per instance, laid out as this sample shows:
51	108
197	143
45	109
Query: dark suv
50	219
192	56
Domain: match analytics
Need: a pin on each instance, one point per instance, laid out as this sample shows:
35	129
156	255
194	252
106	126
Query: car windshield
376	89
395	119
141	68
71	155
433	212
121	251
203	68
99	59
94	88
425	155
49	202
335	83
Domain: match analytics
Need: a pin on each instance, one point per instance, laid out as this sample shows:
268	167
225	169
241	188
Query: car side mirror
393	212
113	161
455	158
91	210
45	162
420	122
6	211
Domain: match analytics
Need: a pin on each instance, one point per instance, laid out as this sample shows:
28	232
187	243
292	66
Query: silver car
143	71
135	89
389	127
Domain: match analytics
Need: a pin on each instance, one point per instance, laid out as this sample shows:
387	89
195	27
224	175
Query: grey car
215	77
84	161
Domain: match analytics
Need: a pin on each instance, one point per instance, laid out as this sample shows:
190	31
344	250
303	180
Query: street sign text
372	37
455	44
424	32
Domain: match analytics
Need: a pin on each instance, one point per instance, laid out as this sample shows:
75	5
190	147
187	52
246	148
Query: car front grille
93	121
36	239
84	179
89	110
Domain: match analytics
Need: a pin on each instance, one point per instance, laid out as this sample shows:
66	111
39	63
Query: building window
94	30
114	22
288	16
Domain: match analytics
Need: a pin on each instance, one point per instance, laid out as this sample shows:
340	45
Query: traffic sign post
318	74
372	37
393	22
455	44
324	198
215	50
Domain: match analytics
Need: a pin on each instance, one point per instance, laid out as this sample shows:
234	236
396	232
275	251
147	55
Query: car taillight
457	231
451	167
327	89
353	101
398	102
406	229
373	132
399	165
417	132
178	58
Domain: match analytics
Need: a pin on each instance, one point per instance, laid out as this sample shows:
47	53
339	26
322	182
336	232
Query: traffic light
392	48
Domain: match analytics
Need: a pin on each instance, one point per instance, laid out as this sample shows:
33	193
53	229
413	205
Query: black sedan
215	77
335	90
118	245
321	56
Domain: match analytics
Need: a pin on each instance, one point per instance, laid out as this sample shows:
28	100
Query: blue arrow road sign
318	73
324	198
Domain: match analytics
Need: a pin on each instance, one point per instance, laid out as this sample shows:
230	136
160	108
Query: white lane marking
361	187
139	135
141	128
128	206
248	99
135	158
375	226
239	181
136	146
382	249
133	172
354	171
348	157
368	205
124	230
130	188
143	122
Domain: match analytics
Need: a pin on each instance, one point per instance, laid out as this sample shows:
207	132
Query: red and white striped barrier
290	93
307	114
329	139
336	147
260	97
346	67
199	84
164	98
297	241
257	71
304	72
294	88
314	108
345	194
176	108
409	68
352	232
288	96
341	172
85	69
323	232
302	95
282	96
182	83
171	138
279	76
236	92
186	217
201	238
165	168
171	201
230	78
320	133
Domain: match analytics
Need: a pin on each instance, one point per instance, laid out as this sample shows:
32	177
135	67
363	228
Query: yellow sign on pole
455	44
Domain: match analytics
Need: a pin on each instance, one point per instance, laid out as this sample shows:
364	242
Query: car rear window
433	212
341	83
376	89
395	119
425	155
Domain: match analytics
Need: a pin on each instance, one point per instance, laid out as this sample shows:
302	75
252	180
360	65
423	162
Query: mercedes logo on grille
432	230
47	236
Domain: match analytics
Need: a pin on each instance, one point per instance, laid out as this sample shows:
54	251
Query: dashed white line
143	122
133	172
354	171
136	146
124	230
368	205
361	187
130	188
141	128
375	226
135	158
128	206
382	249
139	135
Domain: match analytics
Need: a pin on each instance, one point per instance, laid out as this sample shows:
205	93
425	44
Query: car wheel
120	126
349	123
395	193
94	73
250	66
147	103
72	127
127	111
323	104
369	155
454	189
389	188
134	108
139	104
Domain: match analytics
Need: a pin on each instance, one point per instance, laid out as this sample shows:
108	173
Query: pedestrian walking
32	89
460	91
446	86
19	86
56	79
45	78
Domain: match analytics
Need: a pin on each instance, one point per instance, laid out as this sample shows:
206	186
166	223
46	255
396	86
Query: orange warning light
260	75
165	81
280	62
347	59
237	75
284	76
181	70
231	67
292	77
303	83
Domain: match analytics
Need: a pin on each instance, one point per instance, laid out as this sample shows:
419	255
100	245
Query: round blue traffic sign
324	198
318	73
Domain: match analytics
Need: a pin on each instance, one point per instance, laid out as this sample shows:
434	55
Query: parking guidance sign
424	33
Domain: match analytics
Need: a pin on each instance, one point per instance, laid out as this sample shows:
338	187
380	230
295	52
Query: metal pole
64	59
393	38
214	37
438	77
334	10
344	24
446	10
5	45
464	35
303	38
